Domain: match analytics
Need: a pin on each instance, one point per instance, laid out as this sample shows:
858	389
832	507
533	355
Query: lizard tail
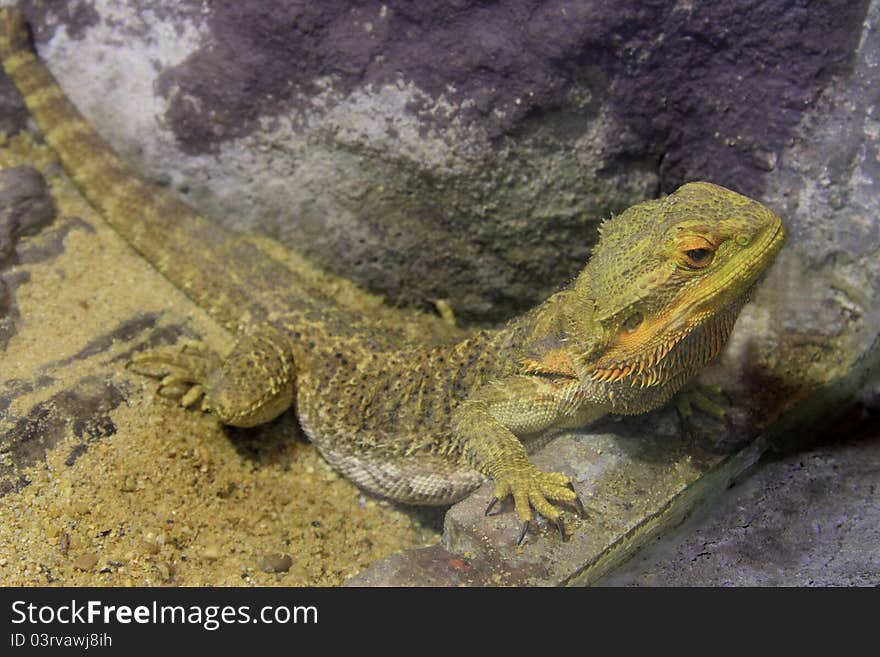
161	227
108	182
15	35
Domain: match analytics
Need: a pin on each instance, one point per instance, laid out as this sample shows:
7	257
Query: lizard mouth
692	347
669	352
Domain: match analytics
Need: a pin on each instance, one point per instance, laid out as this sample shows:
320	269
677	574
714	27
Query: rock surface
25	209
454	150
810	518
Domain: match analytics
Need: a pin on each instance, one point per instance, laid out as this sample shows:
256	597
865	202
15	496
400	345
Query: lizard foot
708	399
182	372
707	416
534	489
252	385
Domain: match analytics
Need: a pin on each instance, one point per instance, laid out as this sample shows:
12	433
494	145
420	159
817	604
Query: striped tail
191	251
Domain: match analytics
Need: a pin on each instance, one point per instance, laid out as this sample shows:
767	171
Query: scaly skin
424	425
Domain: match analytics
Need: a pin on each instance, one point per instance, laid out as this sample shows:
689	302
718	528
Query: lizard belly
370	459
423	479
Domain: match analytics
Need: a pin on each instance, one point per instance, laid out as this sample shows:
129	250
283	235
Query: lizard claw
522	534
710	400
492	503
561	527
704	415
578	504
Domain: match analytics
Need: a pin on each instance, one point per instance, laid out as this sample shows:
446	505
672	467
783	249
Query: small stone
80	507
149	547
276	563
85	561
227	490
211	551
765	160
166	570
129	484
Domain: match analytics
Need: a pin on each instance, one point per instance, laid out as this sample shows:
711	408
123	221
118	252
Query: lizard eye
694	251
698	258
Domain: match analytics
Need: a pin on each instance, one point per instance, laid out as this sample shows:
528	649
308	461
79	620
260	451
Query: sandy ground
109	484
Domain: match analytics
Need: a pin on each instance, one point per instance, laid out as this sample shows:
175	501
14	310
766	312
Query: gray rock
446	150
25	206
467	151
827	186
13	113
804	519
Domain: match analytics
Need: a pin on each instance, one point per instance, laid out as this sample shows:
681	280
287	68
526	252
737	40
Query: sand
114	485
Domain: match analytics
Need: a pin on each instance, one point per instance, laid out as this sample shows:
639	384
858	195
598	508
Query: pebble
166	570
129	484
276	563
85	561
211	551
80	507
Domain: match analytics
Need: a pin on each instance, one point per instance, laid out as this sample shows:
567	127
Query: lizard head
667	280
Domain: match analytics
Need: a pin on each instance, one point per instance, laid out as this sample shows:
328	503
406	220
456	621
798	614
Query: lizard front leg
252	385
486	427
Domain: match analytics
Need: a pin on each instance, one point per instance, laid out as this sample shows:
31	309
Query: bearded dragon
426	424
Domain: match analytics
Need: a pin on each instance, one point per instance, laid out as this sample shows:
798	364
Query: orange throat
654	353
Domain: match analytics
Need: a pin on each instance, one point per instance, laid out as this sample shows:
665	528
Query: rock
809	518
149	547
25	206
417	191
13	113
276	563
211	552
637	479
414	151
85	561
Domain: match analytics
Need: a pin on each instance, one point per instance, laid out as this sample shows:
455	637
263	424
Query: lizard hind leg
254	384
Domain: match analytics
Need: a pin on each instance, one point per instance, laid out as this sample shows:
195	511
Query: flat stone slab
809	518
635	483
